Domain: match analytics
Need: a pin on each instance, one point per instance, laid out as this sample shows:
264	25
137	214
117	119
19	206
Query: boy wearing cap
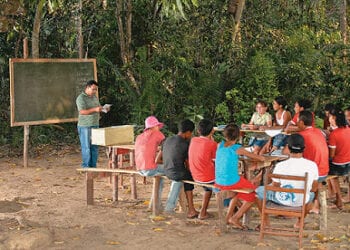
296	165
146	147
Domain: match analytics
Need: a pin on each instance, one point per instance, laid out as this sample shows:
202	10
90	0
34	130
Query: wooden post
115	187
26	127
155	193
323	207
183	201
89	188
220	206
133	177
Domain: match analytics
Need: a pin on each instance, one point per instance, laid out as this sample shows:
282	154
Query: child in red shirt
201	154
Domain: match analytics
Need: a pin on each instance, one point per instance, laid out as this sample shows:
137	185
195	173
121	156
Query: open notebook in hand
106	108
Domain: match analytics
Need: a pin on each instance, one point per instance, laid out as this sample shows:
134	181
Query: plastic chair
269	207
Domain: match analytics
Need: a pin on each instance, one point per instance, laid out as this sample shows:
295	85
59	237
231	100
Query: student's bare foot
314	211
235	224
297	225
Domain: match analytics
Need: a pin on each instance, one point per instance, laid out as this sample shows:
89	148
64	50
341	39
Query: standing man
89	114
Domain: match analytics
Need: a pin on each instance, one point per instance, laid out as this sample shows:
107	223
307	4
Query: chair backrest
277	209
302	179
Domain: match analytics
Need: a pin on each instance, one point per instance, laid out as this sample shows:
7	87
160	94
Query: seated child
295	165
300	105
227	177
175	160
201	155
146	146
260	120
282	118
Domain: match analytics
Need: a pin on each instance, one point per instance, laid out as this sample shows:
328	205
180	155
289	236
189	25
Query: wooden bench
92	173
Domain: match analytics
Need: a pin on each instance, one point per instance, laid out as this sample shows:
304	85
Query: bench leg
220	207
89	177
155	193
323	207
183	201
115	187
133	186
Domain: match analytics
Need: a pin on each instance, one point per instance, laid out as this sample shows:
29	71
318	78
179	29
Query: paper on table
273	132
106	108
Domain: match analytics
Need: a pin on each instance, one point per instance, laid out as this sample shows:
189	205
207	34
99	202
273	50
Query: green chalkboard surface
43	91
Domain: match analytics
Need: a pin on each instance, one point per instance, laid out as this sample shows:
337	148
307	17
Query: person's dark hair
306	104
231	132
281	101
186	125
296	143
339	117
347	109
329	107
205	126
262	102
306	117
90	83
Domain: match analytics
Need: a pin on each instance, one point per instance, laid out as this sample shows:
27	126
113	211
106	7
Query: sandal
206	217
192	216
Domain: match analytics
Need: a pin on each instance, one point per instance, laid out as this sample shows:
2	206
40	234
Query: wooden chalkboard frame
78	85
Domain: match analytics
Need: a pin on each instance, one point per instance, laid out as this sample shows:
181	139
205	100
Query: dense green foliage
184	61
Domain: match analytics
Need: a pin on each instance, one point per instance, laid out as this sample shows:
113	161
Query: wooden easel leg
25	146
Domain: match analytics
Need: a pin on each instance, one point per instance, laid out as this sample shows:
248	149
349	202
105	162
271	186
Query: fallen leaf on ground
132	223
113	242
157	218
157	229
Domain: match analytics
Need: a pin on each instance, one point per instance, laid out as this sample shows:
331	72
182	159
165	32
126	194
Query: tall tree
343	25
36	28
124	20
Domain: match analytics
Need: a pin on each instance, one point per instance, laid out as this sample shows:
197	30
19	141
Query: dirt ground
44	207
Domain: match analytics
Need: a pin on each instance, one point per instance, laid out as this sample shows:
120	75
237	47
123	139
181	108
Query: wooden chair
269	207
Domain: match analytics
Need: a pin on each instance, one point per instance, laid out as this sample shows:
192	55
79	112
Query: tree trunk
343	26
125	27
80	40
36	29
237	20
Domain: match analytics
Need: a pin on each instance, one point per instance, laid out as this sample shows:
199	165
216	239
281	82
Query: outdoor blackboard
43	91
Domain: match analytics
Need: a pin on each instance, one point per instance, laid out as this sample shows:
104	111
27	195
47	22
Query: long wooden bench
92	173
